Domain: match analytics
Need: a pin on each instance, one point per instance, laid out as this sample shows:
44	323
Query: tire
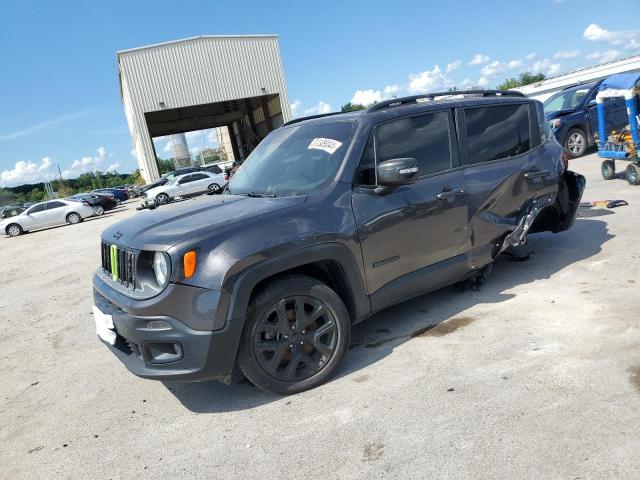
283	354
73	218
118	202
576	143
214	187
98	210
162	198
633	174
14	230
608	169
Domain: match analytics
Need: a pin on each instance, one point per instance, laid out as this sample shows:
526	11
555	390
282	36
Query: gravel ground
535	376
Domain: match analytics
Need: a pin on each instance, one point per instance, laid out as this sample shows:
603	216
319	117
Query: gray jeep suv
331	219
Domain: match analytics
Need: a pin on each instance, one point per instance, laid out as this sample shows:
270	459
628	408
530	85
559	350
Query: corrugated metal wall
192	72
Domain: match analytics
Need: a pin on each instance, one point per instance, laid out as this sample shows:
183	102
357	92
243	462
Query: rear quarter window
497	132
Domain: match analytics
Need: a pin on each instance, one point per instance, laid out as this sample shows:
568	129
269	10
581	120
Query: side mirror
398	171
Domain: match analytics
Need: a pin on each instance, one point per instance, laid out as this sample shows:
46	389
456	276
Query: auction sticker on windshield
327	144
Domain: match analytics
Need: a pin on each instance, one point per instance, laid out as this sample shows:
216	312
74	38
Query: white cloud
466	83
566	54
27	172
366	97
531	56
319	108
633	45
429	81
113	167
294	107
595	33
545	66
514	64
605	56
390	91
86	164
492	69
479	59
454	66
483	81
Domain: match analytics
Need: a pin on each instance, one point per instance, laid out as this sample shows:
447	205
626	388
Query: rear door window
52	205
497	132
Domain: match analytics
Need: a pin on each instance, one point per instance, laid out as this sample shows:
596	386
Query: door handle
537	174
450	193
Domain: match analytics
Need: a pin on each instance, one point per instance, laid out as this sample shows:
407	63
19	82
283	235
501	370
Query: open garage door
239	126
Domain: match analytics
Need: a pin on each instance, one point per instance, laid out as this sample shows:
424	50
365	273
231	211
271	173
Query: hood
171	224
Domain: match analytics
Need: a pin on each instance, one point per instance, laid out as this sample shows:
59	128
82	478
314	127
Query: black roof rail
397	102
310	117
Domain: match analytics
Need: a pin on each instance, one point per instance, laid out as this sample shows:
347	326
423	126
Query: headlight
555	123
161	267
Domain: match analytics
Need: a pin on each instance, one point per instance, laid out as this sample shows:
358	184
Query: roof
393	111
197	37
620	81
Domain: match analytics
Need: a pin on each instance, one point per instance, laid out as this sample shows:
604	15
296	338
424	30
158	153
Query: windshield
568	99
294	161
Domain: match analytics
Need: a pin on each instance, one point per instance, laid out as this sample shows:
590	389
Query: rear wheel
633	174
296	334
74	218
214	187
608	169
98	210
14	230
162	198
576	143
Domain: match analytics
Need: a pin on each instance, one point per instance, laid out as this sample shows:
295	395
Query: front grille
120	264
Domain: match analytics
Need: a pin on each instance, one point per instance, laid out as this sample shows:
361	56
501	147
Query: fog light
158	325
162	352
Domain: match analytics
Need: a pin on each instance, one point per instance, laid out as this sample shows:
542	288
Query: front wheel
633	174
118	202
214	187
608	169
162	198
576	143
296	334
14	230
74	218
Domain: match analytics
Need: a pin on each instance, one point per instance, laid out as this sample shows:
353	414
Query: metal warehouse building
232	82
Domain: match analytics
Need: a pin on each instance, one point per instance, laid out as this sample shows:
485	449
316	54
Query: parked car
167	177
100	202
47	214
330	219
188	185
119	195
573	116
11	211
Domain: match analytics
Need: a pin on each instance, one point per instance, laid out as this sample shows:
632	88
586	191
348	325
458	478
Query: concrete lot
535	376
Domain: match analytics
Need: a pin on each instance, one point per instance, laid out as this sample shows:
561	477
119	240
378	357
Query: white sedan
187	185
47	214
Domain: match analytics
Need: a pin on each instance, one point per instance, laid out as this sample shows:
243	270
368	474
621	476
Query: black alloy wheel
296	334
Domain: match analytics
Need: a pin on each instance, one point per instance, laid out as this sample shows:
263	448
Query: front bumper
175	352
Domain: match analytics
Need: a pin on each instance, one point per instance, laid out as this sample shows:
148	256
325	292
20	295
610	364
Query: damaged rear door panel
515	179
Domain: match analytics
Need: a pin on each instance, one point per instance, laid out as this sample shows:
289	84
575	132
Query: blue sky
60	103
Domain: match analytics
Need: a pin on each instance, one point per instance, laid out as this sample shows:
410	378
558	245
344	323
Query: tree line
35	192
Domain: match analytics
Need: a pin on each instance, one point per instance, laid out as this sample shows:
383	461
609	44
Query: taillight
565	160
226	177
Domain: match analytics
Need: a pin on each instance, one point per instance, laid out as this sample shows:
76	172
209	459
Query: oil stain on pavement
438	330
634	377
372	451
